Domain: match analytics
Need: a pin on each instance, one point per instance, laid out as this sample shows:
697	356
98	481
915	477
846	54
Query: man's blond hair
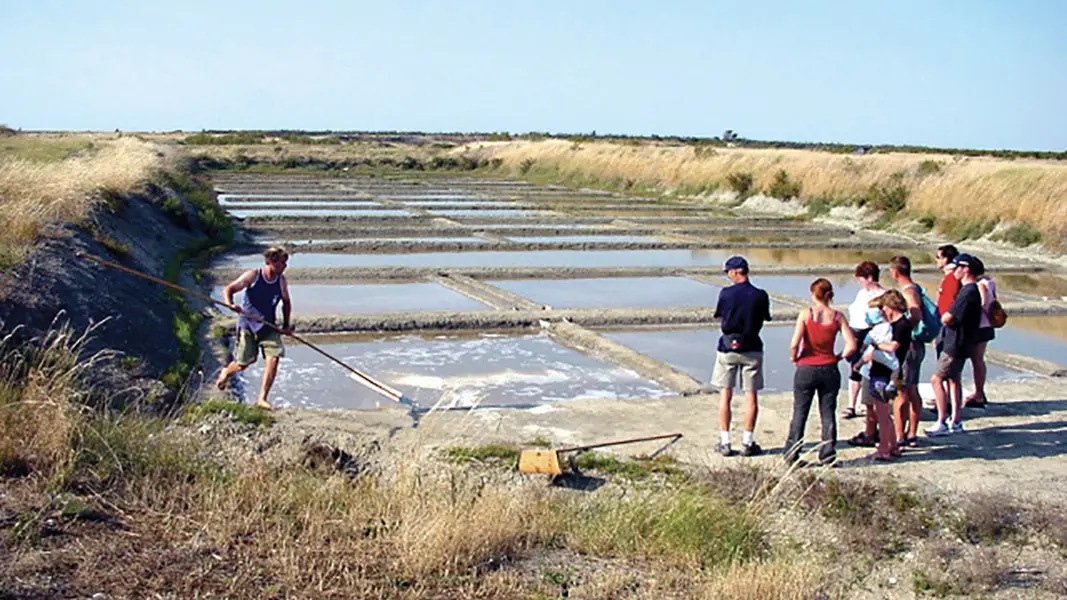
275	253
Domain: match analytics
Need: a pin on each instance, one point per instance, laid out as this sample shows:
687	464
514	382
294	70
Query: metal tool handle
620	442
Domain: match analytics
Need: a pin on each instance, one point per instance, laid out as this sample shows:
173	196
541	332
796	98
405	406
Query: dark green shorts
249	345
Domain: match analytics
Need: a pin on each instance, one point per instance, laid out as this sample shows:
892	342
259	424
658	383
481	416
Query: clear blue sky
945	73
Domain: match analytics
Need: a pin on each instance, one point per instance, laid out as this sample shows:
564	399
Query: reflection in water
1052	327
1039	284
458	371
829	256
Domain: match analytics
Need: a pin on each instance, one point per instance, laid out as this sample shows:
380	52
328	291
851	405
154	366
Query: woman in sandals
867	276
987	288
812	350
885	382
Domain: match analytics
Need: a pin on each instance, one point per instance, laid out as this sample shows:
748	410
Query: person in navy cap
961	324
743	309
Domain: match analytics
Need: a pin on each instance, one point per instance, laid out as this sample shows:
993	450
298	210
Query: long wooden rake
368	381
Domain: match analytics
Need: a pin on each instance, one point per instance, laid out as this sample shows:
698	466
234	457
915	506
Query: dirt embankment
127	314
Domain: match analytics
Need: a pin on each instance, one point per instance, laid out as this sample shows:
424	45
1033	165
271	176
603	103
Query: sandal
975	402
848	413
862	441
912	442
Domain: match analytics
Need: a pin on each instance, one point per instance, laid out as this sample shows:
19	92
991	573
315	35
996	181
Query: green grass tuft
635	469
486	453
1019	234
686	527
242	413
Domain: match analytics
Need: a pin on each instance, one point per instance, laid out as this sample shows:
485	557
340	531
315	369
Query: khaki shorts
727	364
865	393
913	363
950	367
249	345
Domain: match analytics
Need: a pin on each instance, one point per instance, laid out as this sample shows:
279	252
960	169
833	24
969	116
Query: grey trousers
807	382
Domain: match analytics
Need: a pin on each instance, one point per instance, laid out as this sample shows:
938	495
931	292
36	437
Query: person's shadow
1037	439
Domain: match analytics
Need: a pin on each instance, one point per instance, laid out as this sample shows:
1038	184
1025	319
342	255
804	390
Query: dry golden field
943	189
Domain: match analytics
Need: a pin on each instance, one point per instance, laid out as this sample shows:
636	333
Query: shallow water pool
460	371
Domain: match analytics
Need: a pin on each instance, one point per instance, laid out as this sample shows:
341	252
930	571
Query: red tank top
817	343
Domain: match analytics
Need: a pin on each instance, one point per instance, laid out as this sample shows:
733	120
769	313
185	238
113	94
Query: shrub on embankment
943	191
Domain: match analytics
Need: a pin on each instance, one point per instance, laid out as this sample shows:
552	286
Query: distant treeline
225	137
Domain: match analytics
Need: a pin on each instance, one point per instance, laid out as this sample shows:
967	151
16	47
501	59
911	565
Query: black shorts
986	334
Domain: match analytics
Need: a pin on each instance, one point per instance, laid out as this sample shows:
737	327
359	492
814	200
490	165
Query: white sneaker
938	430
956	427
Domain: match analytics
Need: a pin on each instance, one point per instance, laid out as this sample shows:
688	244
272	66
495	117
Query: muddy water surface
1040	337
317	212
623	292
461	212
693	351
543	258
461	371
372	298
428	240
296	204
554	258
578	239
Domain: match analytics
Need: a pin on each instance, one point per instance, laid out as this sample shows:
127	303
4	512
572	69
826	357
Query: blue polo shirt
743	309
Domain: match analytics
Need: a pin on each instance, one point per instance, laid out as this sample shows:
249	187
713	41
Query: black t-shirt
960	337
902	336
743	308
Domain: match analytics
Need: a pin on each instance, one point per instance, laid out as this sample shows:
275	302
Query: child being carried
884	381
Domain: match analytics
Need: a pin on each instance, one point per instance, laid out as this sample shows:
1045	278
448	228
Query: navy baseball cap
735	262
971	262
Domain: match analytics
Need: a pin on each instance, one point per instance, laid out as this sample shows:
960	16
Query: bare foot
261	403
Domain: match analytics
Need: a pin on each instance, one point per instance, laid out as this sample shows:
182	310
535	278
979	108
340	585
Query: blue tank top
261	300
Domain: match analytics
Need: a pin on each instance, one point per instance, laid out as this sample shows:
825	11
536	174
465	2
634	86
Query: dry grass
277	153
39	408
781	579
129	506
1023	191
35	194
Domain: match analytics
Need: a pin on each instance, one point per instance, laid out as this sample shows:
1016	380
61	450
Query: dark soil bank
129	314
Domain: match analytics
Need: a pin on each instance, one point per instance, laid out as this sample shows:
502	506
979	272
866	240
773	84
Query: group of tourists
884	333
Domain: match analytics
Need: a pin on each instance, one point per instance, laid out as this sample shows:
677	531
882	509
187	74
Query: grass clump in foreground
242	413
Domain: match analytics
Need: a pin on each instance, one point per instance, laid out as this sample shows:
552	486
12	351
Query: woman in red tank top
812	349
